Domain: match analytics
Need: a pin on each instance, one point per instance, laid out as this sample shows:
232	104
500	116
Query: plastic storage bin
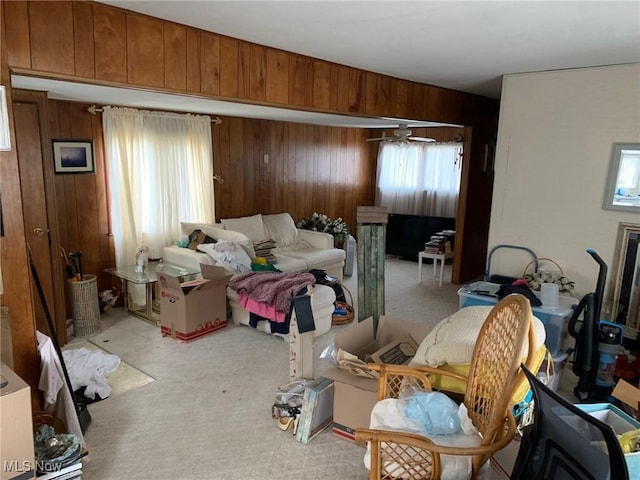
554	319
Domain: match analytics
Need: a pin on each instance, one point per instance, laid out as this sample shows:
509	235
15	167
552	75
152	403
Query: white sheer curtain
419	178
160	174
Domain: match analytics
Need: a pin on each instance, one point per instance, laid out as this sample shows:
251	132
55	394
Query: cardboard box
189	310
398	352
16	427
502	462
629	395
355	396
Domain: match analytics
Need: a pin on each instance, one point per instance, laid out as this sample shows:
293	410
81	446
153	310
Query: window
419	178
160	174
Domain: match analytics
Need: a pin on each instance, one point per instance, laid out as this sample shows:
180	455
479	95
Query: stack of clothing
268	296
263	249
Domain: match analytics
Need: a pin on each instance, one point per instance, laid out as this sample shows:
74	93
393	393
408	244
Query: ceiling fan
402	134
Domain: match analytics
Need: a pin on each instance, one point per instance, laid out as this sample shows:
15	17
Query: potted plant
321	223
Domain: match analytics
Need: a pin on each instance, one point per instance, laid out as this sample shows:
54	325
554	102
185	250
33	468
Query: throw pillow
281	227
252	227
187	227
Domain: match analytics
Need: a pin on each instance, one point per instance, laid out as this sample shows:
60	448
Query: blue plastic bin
553	319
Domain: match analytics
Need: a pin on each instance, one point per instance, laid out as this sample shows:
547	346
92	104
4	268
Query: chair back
566	443
495	366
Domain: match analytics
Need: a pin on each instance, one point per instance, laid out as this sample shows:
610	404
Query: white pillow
252	227
453	339
217	233
229	254
187	227
281	228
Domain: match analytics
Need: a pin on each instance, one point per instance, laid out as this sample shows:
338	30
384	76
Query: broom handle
52	330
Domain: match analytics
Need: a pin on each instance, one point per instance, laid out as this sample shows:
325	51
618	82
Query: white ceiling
463	45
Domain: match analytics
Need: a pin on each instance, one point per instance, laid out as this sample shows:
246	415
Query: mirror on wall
623	184
625	288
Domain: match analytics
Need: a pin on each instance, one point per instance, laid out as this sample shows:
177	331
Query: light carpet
207	415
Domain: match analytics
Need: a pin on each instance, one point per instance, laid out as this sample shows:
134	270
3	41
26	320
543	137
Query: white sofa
296	250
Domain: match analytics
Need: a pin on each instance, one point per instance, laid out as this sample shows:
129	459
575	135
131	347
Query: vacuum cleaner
597	343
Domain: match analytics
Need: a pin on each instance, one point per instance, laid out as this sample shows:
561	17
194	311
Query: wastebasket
86	307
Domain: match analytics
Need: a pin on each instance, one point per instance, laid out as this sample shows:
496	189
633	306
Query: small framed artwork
73	156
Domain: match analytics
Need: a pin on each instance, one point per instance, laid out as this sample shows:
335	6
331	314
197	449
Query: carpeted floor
207	415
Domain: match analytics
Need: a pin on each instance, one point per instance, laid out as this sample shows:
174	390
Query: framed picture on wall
73	156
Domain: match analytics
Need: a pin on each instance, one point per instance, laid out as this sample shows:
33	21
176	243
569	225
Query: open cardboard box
629	395
355	396
189	310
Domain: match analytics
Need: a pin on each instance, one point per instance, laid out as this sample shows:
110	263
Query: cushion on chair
388	415
252	227
450	345
453	339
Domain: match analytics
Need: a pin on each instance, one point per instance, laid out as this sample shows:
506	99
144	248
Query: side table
148	278
435	257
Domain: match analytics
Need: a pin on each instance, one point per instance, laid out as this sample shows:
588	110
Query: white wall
554	146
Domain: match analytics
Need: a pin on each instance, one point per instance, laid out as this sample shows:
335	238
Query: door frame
58	309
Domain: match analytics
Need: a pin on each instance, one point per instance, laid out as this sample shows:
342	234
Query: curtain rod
93	109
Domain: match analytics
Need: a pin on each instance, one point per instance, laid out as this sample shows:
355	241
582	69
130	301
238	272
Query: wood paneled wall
16	276
309	168
95	43
104	44
267	167
272	167
82	201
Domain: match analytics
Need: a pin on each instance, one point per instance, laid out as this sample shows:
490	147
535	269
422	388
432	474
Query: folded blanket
272	288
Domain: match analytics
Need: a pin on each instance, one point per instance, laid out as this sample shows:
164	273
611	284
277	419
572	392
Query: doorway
38	204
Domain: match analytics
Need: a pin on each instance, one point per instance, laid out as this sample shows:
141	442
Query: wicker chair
493	375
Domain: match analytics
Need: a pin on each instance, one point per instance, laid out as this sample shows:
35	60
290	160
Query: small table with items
148	278
435	257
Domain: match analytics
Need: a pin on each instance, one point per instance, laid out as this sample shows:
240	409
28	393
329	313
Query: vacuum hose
602	277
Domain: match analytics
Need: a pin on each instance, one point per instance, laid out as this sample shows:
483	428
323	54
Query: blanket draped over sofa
274	289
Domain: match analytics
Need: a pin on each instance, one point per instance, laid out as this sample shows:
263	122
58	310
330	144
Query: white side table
435	257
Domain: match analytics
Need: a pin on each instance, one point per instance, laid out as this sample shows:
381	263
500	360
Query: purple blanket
275	289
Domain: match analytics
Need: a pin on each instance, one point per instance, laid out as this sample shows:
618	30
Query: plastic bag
437	413
330	353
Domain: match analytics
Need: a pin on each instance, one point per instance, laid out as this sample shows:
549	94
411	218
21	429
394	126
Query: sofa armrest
320	240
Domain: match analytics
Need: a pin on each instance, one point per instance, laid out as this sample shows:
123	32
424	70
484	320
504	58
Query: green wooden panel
371	251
